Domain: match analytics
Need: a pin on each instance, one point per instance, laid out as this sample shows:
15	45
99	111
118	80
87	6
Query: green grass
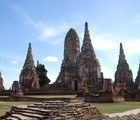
4	96
52	96
6	106
103	107
110	108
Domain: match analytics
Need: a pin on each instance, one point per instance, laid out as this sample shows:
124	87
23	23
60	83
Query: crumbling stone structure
80	71
107	85
1	83
68	76
61	110
28	77
55	110
123	74
88	65
15	88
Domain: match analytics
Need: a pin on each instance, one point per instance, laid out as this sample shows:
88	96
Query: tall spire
28	76
29	57
29	49
88	64
87	45
123	74
86	34
121	55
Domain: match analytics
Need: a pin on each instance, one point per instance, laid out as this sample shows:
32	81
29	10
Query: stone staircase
54	110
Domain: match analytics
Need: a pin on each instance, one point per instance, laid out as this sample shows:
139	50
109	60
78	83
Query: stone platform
54	110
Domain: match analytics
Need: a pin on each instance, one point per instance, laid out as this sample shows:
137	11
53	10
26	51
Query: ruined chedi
69	70
80	71
88	65
137	80
28	76
123	74
1	83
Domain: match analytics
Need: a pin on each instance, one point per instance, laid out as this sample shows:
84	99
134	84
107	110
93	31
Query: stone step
46	106
55	101
19	116
50	103
10	118
30	116
32	110
56	111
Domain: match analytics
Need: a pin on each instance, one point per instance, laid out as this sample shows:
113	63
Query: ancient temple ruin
28	77
123	75
61	110
80	71
80	74
88	65
68	75
54	110
15	88
1	83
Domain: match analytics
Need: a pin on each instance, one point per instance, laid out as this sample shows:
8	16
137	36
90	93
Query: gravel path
135	111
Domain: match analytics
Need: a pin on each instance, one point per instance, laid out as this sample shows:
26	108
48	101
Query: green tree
42	73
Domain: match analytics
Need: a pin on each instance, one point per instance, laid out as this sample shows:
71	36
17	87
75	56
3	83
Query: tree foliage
42	73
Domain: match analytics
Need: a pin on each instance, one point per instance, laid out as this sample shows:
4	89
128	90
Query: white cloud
48	31
50	59
103	42
14	62
106	42
132	47
53	76
45	30
23	16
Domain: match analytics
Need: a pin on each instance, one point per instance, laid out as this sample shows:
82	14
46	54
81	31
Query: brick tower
69	70
28	77
123	74
88	65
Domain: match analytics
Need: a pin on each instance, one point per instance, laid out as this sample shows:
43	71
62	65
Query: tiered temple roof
88	64
28	76
123	74
80	68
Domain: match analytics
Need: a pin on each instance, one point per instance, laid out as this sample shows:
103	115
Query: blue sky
45	23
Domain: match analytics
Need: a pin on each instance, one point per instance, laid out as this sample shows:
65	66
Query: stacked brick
55	110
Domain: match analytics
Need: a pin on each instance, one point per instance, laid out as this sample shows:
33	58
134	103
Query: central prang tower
80	71
68	75
71	46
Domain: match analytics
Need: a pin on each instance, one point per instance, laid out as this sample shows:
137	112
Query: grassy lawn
6	106
103	107
52	96
110	108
